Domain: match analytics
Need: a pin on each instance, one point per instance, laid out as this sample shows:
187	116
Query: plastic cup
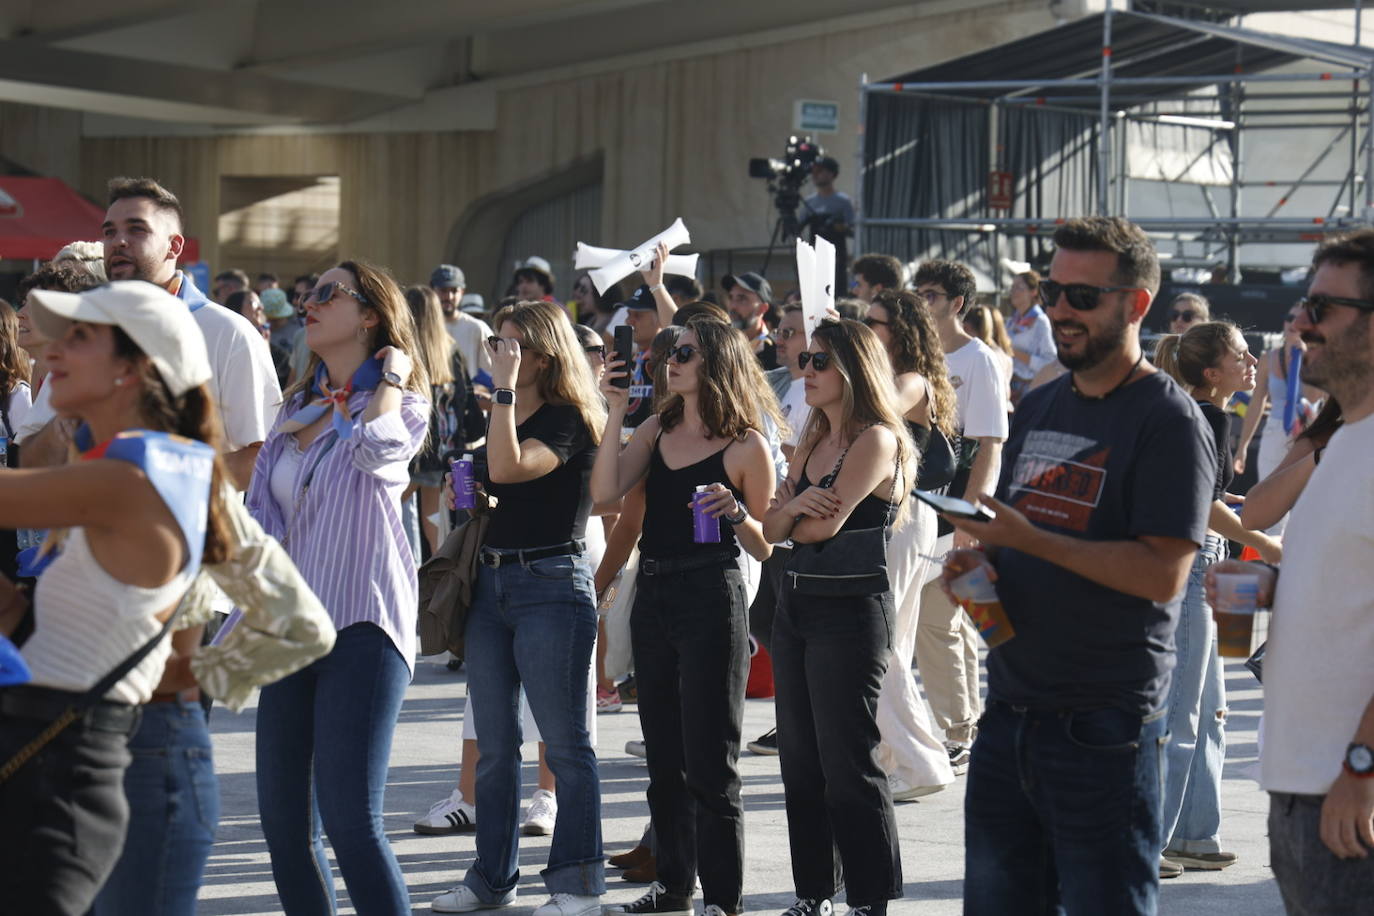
978	597
1234	612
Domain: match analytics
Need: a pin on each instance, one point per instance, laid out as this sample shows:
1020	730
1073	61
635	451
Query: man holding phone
1102	502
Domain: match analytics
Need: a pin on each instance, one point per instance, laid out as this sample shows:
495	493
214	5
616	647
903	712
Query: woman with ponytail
131	523
327	484
1212	362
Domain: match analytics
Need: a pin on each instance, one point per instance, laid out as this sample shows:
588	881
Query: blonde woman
852	468
532	623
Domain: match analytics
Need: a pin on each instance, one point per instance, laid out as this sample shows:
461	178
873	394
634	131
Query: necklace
1073	383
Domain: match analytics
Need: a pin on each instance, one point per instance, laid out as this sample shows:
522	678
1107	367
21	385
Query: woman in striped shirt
327	485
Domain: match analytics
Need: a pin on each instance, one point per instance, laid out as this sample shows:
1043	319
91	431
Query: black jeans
829	657
690	639
765	605
63	814
1311	879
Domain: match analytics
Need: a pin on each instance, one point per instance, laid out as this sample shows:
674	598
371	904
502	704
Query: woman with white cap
141	510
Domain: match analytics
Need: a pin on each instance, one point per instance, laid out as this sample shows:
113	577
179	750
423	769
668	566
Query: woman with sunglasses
1212	362
1186	310
327	485
851	471
689	625
1028	326
532	622
916	762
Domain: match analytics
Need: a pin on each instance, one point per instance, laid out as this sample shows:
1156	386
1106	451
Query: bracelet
737	519
655	288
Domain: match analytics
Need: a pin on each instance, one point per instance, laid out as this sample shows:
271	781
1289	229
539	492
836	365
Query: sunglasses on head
819	361
1315	306
1082	297
682	353
1177	315
325	293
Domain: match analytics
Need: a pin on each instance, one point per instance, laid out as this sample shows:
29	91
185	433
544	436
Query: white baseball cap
158	322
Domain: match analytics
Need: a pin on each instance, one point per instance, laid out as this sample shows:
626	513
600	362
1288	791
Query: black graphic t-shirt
641	406
1139	463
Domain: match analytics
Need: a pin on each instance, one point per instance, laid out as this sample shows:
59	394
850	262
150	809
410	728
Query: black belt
495	557
47	705
1021	709
651	567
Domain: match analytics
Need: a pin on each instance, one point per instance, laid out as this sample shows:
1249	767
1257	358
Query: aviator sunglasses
819	361
325	293
1082	297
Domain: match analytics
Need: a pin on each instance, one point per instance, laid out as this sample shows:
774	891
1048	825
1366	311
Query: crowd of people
201	503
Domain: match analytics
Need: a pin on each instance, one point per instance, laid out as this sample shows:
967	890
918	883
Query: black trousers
63	813
829	657
765	605
690	639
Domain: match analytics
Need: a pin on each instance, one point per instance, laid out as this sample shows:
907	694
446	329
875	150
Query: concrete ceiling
258	63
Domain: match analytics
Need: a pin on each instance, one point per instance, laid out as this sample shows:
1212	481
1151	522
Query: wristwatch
1359	760
391	378
503	396
739	518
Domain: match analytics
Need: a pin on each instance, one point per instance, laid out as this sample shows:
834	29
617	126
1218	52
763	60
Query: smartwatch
503	396
1359	760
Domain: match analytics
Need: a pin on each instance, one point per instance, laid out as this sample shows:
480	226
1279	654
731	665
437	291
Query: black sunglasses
819	361
870	322
683	354
1176	315
325	293
598	349
1316	305
1082	297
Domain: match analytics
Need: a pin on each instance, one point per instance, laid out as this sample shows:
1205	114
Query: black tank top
919	434
871	512
668	493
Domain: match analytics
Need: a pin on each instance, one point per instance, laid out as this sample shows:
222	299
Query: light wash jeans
1191	809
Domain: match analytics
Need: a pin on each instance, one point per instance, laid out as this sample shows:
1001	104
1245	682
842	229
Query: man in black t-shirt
643	318
1105	486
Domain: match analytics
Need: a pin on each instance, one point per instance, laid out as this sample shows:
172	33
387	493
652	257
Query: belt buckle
491	558
649	566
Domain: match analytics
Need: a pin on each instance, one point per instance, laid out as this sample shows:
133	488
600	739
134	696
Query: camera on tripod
785	178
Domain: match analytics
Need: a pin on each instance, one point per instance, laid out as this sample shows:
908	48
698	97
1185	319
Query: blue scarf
368	376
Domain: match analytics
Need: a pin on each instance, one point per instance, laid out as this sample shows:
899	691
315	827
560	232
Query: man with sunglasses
1102	502
946	643
1317	761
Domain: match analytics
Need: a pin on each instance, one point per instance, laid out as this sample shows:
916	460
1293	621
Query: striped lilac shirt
346	536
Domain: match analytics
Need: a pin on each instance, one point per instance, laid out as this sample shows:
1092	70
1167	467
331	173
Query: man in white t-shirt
142	234
1317	760
946	642
468	331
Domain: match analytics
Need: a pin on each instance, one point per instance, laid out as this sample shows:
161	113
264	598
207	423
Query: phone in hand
952	506
624	350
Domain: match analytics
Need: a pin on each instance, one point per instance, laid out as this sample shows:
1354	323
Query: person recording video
829	214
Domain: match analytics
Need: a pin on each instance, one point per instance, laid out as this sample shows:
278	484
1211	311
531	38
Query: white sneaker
635	748
713	910
452	815
904	791
462	900
541	815
570	905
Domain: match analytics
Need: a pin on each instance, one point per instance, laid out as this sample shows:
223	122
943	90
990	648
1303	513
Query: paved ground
423	765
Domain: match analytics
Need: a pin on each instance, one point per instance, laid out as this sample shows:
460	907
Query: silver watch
391	378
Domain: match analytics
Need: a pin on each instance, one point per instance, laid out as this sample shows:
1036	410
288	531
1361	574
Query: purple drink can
705	528
464	491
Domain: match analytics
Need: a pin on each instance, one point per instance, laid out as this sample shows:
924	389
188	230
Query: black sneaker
958	758
765	744
657	902
807	907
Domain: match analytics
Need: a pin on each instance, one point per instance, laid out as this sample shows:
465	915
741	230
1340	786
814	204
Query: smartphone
624	350
954	508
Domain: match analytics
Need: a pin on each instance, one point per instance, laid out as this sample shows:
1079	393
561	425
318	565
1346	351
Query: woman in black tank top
830	653
912	754
689	627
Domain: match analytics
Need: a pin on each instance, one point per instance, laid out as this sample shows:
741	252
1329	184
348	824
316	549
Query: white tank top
86	622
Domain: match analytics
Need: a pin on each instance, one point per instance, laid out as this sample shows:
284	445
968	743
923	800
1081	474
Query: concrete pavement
423	770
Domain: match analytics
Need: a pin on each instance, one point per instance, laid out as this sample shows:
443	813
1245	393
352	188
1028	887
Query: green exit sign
811	116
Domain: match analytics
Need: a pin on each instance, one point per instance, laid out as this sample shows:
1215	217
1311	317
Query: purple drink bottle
705	528
464	492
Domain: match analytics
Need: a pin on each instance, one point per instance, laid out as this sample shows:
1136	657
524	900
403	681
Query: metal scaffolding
1116	87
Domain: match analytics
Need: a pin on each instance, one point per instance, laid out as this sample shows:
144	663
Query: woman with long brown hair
327	484
915	759
131	523
689	625
832	636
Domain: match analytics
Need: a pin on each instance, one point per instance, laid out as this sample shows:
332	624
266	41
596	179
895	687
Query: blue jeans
324	739
174	807
1196	721
1061	813
533	624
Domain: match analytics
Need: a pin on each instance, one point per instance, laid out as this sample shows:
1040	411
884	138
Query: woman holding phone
689	625
532	622
851	471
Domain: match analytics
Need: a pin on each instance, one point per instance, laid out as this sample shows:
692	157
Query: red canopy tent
38	216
